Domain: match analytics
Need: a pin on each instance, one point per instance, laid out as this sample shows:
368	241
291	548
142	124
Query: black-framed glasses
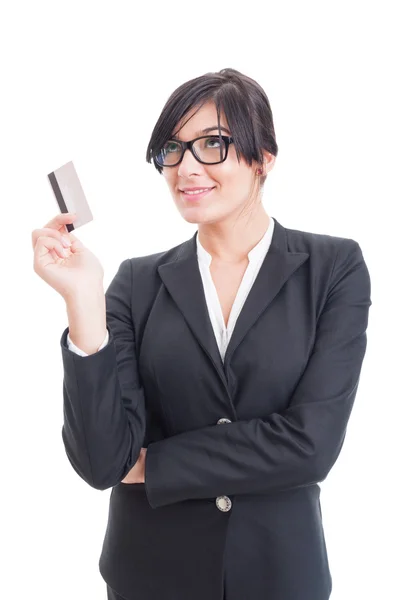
207	149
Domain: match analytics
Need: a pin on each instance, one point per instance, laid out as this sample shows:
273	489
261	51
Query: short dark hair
243	101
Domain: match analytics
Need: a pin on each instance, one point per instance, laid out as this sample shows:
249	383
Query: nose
189	165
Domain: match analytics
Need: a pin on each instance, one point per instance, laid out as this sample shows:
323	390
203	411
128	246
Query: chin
192	218
198	217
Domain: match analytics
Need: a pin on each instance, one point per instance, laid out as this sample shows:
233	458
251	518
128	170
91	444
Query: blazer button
223	420
223	503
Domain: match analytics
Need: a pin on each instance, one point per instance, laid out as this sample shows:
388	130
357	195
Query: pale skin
224	229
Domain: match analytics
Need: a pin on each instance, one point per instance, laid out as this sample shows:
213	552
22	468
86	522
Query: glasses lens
210	149
170	154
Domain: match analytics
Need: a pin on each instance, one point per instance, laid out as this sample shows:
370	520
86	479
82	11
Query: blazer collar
183	281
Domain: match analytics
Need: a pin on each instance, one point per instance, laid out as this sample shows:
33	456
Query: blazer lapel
279	264
183	281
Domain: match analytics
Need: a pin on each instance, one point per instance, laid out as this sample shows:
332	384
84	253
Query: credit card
69	195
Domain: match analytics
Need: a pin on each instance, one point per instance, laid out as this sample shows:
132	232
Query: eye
212	142
171	147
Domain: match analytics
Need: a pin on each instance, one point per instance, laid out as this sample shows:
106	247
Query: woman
212	384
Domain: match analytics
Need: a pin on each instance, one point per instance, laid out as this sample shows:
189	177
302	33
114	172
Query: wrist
85	295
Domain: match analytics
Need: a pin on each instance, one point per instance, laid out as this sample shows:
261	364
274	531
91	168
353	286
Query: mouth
197	194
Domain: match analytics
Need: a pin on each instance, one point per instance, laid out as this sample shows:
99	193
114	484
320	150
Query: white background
86	81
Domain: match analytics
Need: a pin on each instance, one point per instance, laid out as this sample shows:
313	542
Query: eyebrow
207	130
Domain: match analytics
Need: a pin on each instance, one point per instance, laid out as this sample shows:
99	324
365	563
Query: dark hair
243	101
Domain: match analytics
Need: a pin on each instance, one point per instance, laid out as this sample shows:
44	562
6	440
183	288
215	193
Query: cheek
170	179
233	182
232	175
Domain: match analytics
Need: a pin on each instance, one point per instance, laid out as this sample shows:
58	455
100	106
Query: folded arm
293	448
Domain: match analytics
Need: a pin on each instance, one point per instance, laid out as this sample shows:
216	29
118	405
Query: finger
48	231
75	242
69	234
58	222
45	246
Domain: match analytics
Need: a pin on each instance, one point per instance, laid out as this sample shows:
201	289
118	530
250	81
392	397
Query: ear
268	162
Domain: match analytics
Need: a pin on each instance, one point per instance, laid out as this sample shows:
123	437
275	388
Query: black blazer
287	385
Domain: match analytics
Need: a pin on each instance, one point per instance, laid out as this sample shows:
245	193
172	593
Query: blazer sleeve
104	404
293	448
79	351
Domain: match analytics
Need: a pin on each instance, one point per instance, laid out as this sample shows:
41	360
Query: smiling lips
196	192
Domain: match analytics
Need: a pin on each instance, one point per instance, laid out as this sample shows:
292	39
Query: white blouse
221	332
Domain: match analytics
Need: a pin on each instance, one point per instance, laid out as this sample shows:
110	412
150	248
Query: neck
230	242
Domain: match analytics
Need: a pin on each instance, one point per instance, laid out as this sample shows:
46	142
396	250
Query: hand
137	473
70	272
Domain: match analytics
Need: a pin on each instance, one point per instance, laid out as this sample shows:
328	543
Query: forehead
195	121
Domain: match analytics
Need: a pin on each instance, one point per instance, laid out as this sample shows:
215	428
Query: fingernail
65	241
